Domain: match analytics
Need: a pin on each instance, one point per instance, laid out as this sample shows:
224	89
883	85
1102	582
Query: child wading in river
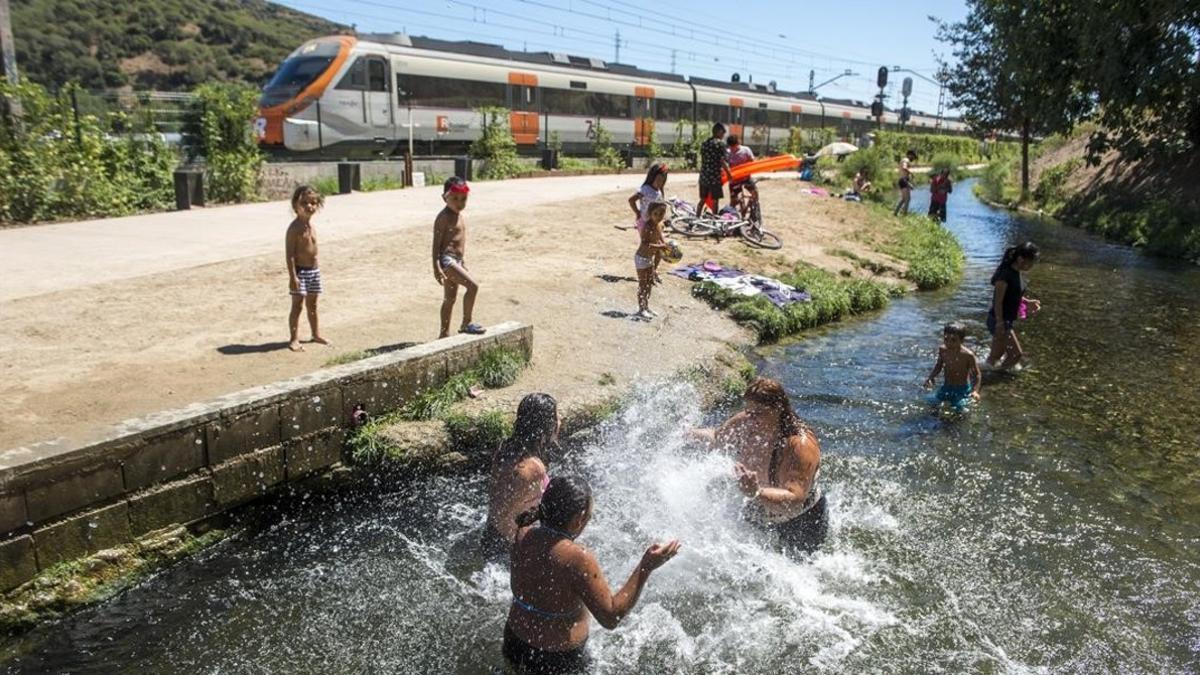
962	381
304	275
449	254
1010	303
652	244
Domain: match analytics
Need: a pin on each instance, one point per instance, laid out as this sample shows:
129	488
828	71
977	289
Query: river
1054	528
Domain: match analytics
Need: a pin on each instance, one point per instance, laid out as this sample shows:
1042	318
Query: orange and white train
343	96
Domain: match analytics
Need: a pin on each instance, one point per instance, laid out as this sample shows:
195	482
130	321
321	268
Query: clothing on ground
310	281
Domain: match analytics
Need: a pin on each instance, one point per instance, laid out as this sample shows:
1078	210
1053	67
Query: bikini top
541	612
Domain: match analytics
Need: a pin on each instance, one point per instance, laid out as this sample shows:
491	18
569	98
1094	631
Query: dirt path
75	361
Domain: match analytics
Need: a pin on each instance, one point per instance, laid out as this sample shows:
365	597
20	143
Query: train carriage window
377	79
356	77
608	105
778	118
708	113
445	92
672	111
565	102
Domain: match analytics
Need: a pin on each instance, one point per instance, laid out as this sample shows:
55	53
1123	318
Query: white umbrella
837	149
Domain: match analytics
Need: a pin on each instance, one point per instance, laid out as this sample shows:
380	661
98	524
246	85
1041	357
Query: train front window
294	75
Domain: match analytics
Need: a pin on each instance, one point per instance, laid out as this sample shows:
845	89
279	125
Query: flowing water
1052	529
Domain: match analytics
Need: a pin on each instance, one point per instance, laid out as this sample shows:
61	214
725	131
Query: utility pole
812	76
8	56
618	46
942	76
673	61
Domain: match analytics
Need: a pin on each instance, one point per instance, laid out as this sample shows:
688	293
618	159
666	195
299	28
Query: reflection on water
1052	529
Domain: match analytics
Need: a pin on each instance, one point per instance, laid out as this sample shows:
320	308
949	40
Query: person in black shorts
713	160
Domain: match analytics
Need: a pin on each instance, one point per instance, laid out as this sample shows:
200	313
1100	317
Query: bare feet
296	346
320	340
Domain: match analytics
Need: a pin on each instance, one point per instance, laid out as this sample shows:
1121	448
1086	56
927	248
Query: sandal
473	329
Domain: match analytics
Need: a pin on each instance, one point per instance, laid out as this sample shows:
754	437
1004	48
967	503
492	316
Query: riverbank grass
497	368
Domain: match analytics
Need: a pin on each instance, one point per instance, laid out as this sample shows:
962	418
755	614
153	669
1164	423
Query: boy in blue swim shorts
962	377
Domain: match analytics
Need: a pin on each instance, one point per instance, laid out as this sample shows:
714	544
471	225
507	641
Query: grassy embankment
1150	204
934	260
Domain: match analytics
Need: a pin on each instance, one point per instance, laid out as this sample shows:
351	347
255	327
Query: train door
735	116
523	102
381	113
643	115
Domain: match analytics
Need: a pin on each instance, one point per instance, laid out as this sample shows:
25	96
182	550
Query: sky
758	39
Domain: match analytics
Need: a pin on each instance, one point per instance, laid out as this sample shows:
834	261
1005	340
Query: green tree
217	128
1018	69
495	145
606	155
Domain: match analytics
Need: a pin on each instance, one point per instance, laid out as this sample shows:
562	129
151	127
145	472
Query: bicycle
686	222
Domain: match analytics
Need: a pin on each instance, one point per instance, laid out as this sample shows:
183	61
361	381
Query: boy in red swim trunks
449	253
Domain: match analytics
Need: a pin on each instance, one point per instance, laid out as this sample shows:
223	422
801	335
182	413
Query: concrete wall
177	467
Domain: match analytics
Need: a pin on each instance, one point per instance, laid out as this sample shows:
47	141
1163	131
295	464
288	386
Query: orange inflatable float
777	163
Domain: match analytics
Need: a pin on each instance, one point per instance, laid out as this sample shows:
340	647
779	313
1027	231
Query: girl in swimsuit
556	583
518	473
644	260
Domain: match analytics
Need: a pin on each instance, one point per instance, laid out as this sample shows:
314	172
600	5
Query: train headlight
260	127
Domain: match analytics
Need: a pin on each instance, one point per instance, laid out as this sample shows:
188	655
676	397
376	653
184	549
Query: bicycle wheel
689	226
756	236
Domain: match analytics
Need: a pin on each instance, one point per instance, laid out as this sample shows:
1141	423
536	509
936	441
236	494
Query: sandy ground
75	361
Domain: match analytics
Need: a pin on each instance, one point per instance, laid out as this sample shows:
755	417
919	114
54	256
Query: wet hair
452	182
564	499
1026	249
732	139
656	169
718	128
955	328
911	154
771	393
302	190
537	420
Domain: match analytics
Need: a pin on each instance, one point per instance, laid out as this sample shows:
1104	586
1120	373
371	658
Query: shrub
934	256
58	164
653	149
686	149
944	161
217	128
996	183
495	145
606	155
1049	193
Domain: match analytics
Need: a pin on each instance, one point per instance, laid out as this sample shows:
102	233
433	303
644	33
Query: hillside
156	44
1150	203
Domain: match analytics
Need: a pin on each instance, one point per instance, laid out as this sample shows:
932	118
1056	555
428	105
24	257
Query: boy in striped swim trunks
304	275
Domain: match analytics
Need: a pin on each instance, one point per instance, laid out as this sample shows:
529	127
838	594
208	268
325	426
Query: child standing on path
449	253
304	275
713	160
961	369
643	261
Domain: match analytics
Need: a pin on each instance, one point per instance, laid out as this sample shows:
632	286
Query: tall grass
833	298
934	256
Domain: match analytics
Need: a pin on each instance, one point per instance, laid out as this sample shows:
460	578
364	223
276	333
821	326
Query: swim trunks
642	263
542	661
904	184
806	532
448	260
991	323
310	281
713	190
958	396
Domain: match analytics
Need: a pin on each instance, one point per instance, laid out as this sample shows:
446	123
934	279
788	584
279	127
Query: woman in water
556	583
778	463
518	474
1008	296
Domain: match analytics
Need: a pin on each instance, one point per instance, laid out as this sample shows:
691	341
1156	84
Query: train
346	96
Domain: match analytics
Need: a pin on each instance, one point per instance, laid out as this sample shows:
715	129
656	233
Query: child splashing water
652	244
962	377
